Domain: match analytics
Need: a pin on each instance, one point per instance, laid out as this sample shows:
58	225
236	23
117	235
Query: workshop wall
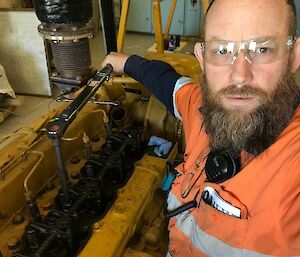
22	53
11	4
186	19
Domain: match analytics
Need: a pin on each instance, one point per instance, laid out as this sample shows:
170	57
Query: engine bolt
95	138
74	175
96	226
54	73
18	219
50	186
46	205
75	160
12	243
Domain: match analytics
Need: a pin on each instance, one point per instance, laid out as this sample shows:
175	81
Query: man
245	115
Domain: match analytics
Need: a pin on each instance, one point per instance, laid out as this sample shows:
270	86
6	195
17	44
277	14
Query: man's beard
235	130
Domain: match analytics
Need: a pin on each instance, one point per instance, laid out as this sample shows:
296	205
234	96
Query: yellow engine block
133	225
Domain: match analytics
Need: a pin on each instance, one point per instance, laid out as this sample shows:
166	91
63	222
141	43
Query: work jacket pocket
229	229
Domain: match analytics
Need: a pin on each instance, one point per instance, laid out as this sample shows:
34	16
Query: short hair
293	18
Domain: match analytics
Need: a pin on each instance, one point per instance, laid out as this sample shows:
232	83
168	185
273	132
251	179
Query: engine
68	226
81	180
110	203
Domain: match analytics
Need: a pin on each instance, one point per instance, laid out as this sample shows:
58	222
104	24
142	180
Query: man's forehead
246	19
249	3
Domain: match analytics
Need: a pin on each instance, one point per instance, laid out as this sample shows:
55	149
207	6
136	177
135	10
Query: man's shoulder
187	87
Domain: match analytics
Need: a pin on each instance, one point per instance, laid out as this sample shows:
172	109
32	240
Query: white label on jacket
211	197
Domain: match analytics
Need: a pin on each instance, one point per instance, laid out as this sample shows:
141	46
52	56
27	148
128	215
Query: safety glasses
256	51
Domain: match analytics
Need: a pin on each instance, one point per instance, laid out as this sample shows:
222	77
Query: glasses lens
262	52
257	51
219	52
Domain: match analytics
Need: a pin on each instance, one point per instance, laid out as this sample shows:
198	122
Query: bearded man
244	115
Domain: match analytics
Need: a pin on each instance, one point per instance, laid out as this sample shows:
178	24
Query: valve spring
45	246
78	203
33	238
72	59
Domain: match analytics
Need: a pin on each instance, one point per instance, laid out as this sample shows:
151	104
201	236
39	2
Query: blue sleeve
159	77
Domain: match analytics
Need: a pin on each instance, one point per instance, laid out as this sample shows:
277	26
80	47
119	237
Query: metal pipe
62	172
25	183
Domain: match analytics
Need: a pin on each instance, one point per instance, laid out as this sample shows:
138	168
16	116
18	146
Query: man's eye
222	51
263	50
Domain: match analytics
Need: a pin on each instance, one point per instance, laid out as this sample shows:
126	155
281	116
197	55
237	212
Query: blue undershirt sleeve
159	77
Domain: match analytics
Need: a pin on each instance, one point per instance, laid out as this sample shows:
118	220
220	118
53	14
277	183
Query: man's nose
241	72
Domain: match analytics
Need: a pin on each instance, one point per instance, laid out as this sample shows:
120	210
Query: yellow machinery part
29	173
134	226
138	201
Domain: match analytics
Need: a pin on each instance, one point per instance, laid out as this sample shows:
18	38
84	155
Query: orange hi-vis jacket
266	190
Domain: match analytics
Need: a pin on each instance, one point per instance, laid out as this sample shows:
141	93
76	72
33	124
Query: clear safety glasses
256	51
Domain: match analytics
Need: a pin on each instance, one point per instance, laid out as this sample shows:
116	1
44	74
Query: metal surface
61	32
72	59
183	63
66	29
104	147
133	225
58	126
131	206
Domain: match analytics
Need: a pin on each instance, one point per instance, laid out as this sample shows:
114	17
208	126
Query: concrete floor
31	107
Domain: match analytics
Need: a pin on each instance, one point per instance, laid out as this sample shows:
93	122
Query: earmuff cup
221	165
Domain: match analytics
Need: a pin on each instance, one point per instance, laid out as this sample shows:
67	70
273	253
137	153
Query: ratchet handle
57	127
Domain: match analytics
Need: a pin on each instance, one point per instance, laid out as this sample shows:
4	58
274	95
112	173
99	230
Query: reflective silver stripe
179	83
169	255
206	243
173	203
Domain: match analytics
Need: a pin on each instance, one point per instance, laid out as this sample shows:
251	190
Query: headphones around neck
221	165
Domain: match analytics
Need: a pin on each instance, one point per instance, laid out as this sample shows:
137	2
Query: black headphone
221	165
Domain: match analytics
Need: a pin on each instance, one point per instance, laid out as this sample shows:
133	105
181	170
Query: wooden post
170	18
158	26
122	25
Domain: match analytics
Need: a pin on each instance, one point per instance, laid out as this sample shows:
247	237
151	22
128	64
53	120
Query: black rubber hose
63	11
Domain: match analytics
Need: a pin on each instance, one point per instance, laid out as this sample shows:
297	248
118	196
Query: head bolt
12	243
18	219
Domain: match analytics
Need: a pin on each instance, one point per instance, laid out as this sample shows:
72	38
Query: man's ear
295	56
199	55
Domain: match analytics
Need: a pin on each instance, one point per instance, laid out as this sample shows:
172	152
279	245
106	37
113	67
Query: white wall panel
22	53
